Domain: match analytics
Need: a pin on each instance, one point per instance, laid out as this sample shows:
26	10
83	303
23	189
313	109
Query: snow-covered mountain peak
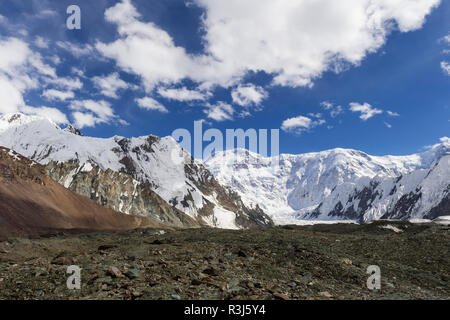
331	184
436	152
13	120
301	185
70	128
170	171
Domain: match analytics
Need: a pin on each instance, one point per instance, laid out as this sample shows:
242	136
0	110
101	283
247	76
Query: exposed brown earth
32	203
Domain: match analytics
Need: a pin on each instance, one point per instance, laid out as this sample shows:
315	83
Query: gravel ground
289	263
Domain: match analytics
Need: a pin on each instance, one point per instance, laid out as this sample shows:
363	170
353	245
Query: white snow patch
443	220
225	219
391	227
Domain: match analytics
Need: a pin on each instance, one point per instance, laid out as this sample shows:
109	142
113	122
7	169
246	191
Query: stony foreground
314	262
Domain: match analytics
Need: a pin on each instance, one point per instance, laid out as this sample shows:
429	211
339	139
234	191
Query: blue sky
373	78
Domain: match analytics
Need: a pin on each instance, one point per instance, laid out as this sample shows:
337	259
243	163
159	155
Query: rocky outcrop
73	130
118	191
246	217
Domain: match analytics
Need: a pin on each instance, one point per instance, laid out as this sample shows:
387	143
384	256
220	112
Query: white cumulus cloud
41	42
76	49
334	110
220	111
295	41
248	95
22	69
300	124
53	94
182	94
88	113
51	113
445	66
109	85
392	113
299	40
151	104
366	110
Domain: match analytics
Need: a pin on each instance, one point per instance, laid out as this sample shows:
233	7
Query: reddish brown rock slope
32	203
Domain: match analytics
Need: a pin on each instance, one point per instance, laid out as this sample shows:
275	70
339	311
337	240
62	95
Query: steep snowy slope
319	185
170	171
423	193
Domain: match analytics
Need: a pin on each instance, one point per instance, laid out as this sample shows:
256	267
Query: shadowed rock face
227	198
121	192
118	191
32	203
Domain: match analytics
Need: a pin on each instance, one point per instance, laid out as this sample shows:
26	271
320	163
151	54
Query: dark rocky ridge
121	192
118	191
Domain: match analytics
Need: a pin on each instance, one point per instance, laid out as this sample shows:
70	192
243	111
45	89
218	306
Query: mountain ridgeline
341	184
156	178
144	176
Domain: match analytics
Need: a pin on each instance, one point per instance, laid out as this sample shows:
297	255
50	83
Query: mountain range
156	178
340	184
156	167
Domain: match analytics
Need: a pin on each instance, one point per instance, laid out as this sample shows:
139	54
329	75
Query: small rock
281	296
176	297
248	284
63	261
136	294
306	279
233	283
242	254
211	272
196	282
235	290
106	247
346	261
390	285
115	272
132	273
325	294
210	256
106	280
